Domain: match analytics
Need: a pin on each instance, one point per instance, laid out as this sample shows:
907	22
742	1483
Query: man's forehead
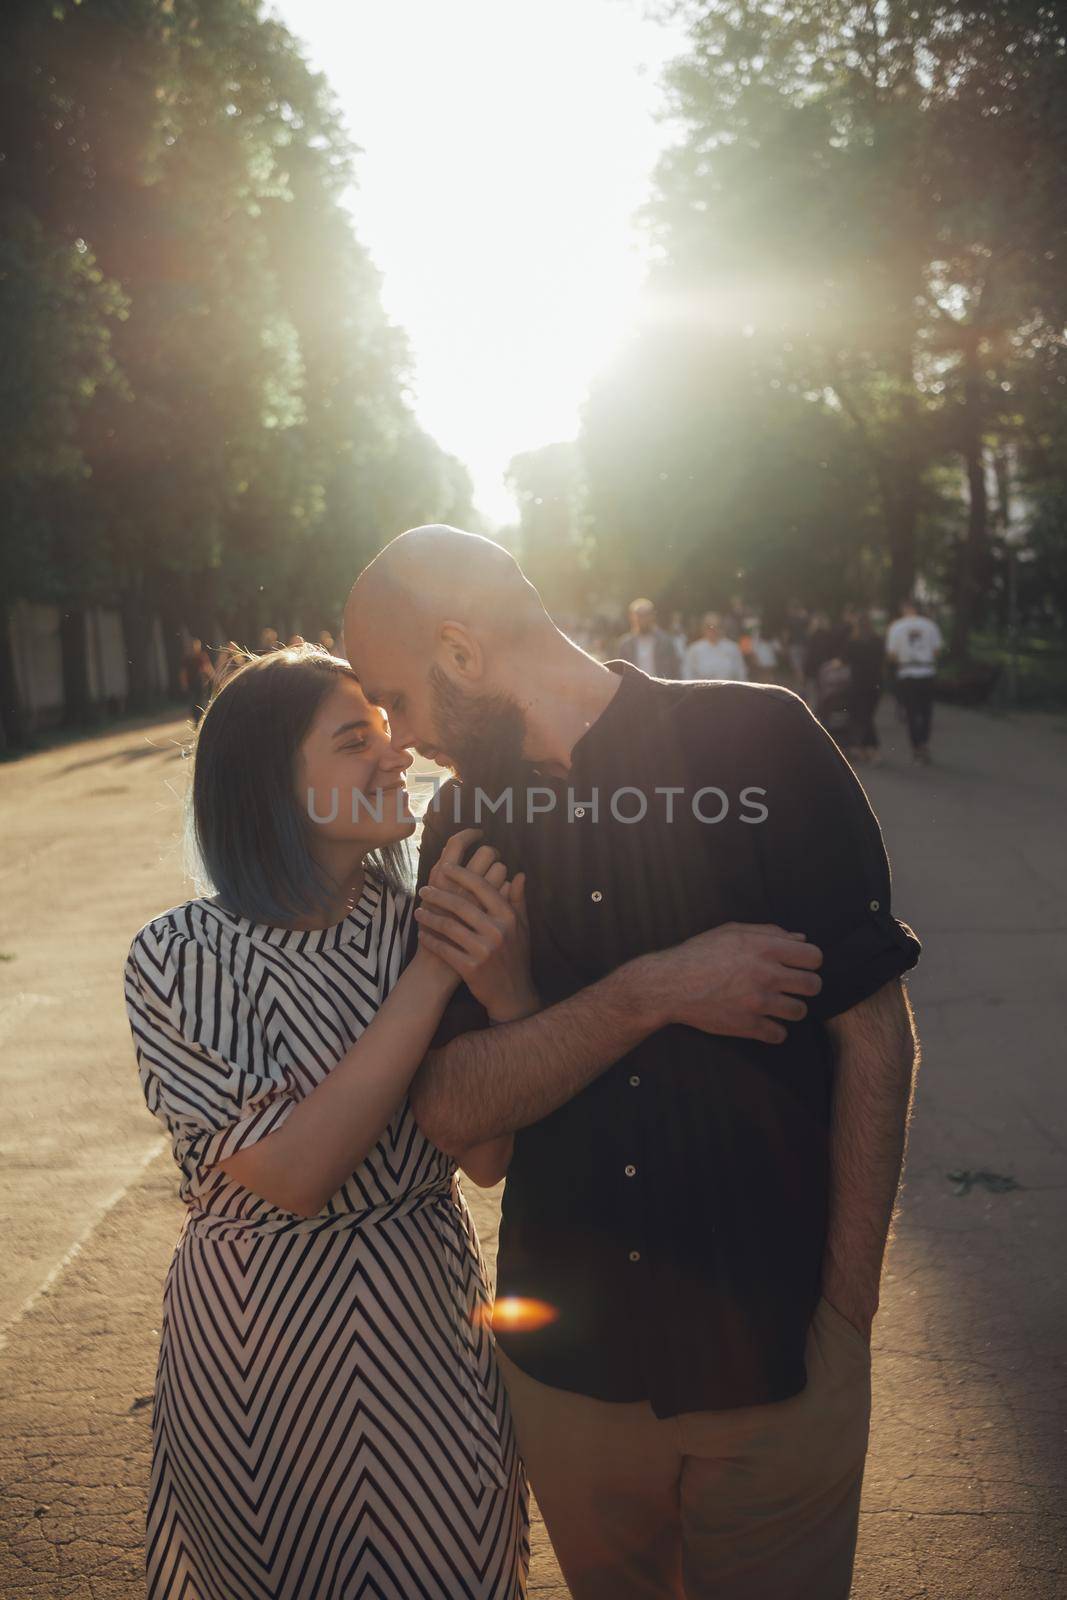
381	671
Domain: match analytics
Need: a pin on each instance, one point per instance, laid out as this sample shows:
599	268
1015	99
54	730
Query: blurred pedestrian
762	657
818	648
196	673
865	654
795	638
713	655
832	692
678	633
912	644
732	621
268	640
647	645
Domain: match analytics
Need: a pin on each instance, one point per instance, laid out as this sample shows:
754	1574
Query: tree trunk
901	516
172	609
1000	520
14	733
972	553
898	490
74	658
137	639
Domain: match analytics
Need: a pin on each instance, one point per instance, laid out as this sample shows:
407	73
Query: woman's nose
396	759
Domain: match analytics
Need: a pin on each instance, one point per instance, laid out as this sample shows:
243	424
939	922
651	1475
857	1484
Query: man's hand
743	980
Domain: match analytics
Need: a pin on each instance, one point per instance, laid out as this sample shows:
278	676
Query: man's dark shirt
674	1212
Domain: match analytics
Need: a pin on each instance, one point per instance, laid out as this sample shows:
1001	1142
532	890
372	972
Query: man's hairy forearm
493	1082
876	1052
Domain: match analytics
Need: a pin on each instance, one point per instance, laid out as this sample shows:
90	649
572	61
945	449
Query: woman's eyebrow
349	727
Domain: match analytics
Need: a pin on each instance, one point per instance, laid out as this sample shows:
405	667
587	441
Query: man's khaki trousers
760	1503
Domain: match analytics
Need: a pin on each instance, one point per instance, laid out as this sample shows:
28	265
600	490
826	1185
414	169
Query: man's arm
876	1053
741	980
489	1083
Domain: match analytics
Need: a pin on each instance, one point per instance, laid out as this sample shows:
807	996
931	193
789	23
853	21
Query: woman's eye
356	748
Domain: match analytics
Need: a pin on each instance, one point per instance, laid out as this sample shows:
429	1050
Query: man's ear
462	651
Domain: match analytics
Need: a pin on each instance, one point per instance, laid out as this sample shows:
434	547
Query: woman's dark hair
248	828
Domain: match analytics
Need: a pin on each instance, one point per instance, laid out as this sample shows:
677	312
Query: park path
964	1497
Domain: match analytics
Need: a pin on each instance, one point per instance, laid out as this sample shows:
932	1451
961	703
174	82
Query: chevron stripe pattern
329	1420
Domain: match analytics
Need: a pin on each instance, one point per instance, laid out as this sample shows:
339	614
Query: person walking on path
913	644
197	672
795	637
647	645
865	655
819	647
329	1417
713	655
697	1214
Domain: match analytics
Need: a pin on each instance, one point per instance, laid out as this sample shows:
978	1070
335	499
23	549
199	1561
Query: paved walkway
965	1494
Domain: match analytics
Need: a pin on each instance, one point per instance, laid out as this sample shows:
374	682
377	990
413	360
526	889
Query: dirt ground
964	1497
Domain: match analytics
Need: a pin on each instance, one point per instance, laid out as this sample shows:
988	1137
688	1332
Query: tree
210	410
860	224
549	486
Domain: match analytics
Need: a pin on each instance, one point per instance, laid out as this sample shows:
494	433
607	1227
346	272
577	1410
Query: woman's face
350	779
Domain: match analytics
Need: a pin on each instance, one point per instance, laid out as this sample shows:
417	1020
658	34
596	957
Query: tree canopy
851	369
208	412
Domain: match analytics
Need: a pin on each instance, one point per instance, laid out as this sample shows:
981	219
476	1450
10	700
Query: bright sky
507	145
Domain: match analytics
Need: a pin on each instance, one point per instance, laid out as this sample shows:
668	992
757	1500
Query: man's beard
481	735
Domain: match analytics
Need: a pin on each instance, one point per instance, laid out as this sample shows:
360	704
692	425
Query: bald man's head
435	628
435	574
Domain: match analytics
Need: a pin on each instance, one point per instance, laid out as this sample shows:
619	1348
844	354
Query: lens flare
514	1314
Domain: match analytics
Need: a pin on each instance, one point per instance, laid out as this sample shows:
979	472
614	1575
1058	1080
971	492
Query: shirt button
635	1255
579	811
876	905
630	1171
596	897
634	1081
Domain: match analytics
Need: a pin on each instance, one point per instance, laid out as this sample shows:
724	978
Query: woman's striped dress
329	1421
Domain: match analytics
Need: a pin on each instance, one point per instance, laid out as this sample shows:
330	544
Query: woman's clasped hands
472	916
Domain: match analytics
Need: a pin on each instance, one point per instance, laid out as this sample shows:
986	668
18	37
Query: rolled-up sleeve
827	873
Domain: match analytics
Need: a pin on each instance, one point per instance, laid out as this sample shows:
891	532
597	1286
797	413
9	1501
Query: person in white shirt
762	662
713	655
647	645
912	644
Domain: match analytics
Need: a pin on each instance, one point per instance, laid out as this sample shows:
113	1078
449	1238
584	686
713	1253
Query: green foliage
206	409
856	307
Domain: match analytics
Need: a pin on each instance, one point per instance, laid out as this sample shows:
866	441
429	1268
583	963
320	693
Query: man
713	655
706	1148
912	644
647	645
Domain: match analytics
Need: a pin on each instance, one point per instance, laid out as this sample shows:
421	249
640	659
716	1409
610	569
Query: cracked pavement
964	1497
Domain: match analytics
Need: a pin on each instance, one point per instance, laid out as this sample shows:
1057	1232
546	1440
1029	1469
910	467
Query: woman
328	1420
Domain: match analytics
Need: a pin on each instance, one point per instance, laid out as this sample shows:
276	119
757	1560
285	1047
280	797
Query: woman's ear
462	651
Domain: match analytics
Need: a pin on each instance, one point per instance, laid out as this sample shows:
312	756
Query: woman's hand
474	919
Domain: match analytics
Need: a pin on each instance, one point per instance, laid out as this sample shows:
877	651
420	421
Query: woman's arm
327	1134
